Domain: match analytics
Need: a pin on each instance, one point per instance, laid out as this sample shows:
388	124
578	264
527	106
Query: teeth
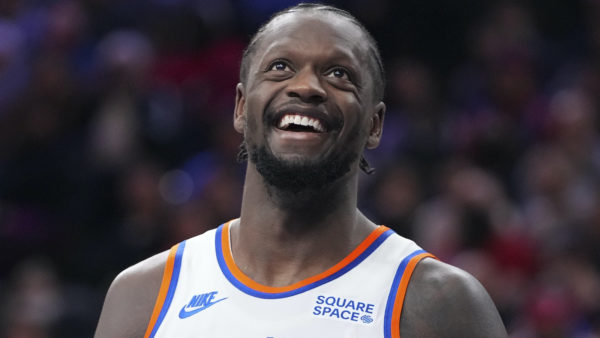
317	125
301	121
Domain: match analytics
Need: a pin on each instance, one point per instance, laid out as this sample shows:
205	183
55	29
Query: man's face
307	110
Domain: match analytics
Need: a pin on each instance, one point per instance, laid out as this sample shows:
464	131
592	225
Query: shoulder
130	299
443	300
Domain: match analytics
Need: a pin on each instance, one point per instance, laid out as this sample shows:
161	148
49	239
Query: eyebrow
344	56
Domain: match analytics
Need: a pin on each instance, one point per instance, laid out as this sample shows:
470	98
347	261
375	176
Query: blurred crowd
116	142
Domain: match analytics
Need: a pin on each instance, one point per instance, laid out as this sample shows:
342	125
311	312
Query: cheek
251	124
360	132
354	118
253	128
264	96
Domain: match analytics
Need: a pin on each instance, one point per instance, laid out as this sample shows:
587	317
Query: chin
297	173
300	160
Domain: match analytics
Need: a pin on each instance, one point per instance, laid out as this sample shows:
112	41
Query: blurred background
116	142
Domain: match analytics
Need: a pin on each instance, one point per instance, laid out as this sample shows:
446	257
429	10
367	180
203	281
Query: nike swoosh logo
184	313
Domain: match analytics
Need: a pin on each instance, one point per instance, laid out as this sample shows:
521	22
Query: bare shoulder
130	299
445	301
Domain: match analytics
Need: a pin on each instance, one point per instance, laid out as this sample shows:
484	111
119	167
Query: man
302	260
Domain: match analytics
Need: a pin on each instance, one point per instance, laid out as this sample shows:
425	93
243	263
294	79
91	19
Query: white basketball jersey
204	294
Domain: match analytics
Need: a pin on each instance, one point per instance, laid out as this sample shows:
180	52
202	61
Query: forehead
331	33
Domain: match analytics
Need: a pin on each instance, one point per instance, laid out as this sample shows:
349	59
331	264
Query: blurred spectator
34	301
395	194
13	65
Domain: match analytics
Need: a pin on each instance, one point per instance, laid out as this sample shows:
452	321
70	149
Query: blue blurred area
116	142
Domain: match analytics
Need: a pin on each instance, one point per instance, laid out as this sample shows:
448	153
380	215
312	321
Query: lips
297	122
301	119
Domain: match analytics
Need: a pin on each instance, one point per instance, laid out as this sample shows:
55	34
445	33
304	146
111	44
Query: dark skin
310	69
314	64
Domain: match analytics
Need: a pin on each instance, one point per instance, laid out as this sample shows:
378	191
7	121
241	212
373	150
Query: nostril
309	98
307	87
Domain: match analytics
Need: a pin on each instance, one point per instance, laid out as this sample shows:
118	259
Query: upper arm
444	301
130	299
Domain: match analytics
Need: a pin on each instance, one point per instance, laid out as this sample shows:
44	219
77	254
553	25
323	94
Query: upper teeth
301	121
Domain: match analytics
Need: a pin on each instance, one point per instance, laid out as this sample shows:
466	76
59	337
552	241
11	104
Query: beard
300	176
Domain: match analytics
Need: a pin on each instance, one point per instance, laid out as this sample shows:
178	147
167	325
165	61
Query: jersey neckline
250	287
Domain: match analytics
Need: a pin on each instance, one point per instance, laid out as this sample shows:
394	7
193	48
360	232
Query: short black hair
375	63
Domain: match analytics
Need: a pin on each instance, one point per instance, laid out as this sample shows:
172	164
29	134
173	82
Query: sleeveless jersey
204	294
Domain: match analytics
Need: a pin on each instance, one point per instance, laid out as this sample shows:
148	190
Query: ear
239	113
376	126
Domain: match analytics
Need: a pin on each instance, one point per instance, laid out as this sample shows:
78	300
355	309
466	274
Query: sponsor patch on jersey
345	309
199	303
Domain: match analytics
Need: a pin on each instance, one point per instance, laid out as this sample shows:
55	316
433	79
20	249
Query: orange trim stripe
399	302
239	275
164	288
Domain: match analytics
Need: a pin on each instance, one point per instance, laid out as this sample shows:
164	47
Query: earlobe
376	126
239	113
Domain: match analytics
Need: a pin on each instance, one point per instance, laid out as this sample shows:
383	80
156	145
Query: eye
278	66
339	73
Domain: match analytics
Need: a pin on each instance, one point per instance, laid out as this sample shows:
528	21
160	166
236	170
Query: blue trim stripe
389	307
276	295
172	288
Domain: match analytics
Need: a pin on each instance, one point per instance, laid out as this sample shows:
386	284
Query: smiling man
302	260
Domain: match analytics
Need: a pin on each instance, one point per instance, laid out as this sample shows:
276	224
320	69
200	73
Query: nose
306	86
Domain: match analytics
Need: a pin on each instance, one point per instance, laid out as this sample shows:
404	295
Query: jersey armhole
167	289
397	294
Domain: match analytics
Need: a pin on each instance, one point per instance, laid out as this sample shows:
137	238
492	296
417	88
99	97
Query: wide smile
295	122
297	118
298	129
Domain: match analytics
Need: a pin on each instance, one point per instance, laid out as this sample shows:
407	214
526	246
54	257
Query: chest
209	305
209	297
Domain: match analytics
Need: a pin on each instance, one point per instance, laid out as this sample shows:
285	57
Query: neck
299	212
282	237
